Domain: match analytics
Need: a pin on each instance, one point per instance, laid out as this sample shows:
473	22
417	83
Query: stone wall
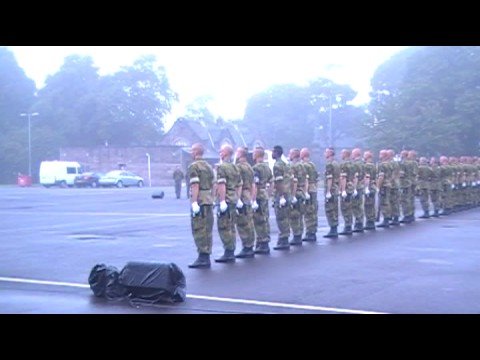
163	160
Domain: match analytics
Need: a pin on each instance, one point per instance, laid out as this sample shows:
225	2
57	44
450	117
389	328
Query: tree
427	98
17	94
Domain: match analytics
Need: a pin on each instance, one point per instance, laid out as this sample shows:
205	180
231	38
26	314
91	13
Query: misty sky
230	74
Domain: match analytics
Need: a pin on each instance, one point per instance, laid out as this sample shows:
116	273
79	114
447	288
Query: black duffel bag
153	283
104	282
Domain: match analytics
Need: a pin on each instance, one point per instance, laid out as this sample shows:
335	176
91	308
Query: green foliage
296	116
428	99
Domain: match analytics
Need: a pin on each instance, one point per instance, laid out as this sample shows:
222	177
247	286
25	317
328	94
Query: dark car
87	179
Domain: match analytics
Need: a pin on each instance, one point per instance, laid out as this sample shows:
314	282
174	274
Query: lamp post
29	115
338	99
149	173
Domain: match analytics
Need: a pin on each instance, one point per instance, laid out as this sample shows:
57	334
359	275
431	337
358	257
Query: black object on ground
152	283
158	195
104	282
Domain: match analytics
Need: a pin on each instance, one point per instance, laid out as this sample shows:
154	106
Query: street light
338	99
29	115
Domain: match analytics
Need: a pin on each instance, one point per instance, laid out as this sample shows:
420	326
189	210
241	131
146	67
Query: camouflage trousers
297	212
282	215
446	197
245	227
405	197
384	201
424	199
411	204
331	210
357	207
311	214
435	198
369	206
346	208
202	227
261	221
226	227
395	201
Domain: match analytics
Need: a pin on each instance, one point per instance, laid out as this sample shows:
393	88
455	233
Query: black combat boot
333	233
227	257
310	237
385	224
282	244
370	225
425	215
358	228
297	240
347	230
247	252
404	220
202	262
395	221
262	248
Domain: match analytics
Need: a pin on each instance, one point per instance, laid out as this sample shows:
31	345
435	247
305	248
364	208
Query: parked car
121	178
88	179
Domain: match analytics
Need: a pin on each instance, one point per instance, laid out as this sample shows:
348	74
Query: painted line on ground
209	298
91	213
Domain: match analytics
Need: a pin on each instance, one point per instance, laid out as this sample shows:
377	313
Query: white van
61	173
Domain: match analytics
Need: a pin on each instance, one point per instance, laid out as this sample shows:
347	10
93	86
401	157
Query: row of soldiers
240	194
450	184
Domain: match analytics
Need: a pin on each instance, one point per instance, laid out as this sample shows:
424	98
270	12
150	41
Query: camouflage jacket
312	175
282	175
246	175
262	176
332	171
229	175
200	172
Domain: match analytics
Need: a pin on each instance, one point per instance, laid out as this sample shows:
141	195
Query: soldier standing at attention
424	177
299	188
370	187
413	176
446	179
395	189
311	202
435	186
405	186
228	190
282	178
358	185
384	183
332	179
201	175
262	176
244	205
346	192
178	177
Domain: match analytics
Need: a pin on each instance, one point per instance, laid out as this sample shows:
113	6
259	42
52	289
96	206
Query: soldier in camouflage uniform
412	176
358	186
311	201
424	178
395	189
282	177
244	205
262	177
200	175
229	186
299	187
332	180
369	182
405	186
435	186
446	180
346	191
384	183
456	183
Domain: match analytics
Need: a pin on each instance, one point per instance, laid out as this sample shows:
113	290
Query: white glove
367	191
239	204
464	184
195	208
254	205
294	200
355	193
282	201
223	206
452	186
344	194
328	196
307	196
